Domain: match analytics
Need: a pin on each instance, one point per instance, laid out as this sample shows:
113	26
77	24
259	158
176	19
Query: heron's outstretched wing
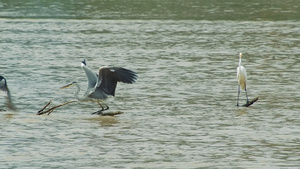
108	78
91	76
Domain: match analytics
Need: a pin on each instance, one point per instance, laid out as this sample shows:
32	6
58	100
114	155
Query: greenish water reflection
153	9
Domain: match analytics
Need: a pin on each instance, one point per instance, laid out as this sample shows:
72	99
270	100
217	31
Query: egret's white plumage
242	78
241	74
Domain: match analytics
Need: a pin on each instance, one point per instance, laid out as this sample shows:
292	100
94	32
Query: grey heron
100	86
4	87
242	79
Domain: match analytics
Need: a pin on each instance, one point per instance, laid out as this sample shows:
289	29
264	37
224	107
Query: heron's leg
246	95
237	103
100	112
102	108
106	107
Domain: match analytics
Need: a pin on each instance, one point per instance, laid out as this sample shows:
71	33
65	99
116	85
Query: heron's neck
240	63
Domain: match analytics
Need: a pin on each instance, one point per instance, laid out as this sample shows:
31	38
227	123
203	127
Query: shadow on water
7	115
241	111
105	121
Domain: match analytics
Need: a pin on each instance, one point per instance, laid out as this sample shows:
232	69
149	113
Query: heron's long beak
66	86
240	55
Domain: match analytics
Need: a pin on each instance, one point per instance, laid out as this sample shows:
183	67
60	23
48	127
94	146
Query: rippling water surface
181	112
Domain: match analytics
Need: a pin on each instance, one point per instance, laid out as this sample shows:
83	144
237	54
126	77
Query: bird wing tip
83	63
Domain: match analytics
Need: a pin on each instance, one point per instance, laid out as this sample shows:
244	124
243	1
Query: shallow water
181	113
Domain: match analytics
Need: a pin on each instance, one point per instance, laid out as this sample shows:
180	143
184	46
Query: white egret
242	79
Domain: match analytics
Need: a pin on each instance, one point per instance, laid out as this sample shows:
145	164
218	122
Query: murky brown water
181	113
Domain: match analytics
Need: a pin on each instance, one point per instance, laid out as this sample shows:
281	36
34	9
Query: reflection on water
152	9
7	115
182	111
105	121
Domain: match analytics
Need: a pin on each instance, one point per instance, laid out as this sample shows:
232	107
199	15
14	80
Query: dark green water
153	9
181	113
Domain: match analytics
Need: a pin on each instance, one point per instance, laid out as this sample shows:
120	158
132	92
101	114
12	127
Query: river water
181	112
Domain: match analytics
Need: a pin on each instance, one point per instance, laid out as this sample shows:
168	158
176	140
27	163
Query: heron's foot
99	112
237	105
103	109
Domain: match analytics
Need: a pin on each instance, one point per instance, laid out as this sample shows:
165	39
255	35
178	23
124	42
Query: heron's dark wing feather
109	77
91	76
124	75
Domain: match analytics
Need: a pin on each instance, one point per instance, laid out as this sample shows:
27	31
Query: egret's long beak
240	55
66	86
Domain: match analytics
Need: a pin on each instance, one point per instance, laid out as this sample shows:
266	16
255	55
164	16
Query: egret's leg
246	95
237	103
